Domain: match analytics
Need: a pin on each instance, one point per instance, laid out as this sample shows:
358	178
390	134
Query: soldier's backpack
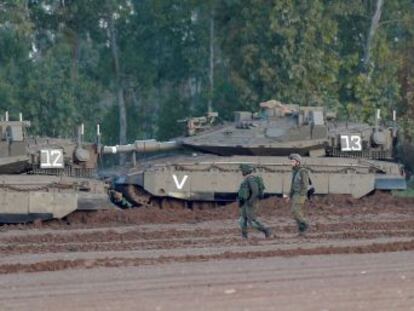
311	188
244	191
261	185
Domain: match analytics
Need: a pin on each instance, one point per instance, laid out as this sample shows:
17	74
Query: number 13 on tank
351	143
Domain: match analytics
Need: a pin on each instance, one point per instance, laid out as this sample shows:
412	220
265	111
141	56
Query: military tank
45	178
343	157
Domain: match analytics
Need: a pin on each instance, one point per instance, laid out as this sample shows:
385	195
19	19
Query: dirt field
359	255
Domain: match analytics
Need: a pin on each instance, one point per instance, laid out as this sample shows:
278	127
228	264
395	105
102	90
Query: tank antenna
81	131
377	118
98	137
394	121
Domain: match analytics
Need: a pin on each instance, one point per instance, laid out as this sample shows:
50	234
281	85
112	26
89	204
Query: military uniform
298	195
118	199
248	196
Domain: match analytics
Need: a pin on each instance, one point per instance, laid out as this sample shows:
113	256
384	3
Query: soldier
118	199
249	193
299	191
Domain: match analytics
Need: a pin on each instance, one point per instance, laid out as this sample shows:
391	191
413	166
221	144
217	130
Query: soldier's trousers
297	206
248	218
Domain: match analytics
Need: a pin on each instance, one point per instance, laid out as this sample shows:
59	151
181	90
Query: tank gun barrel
143	146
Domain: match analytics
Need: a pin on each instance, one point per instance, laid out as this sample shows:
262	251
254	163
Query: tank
343	157
45	178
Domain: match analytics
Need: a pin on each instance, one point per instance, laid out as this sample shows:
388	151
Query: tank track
138	197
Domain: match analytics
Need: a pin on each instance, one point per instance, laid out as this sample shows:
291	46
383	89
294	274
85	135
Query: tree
143	64
372	29
283	50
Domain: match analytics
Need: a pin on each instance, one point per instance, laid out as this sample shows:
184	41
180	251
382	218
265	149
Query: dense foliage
137	66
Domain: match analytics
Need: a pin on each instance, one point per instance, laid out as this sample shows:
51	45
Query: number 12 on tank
51	158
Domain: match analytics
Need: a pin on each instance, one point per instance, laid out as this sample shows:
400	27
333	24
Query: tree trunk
211	69
373	28
118	85
142	115
75	56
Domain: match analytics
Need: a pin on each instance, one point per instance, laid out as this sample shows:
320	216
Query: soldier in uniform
249	193
117	197
299	191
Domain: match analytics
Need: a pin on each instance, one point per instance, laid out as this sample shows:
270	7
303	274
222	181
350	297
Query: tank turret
279	130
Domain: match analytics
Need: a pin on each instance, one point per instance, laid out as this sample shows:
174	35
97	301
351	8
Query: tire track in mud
138	239
339	225
40	248
347	230
57	265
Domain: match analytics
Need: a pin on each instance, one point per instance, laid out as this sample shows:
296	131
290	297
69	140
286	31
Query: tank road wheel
201	205
171	203
205	205
175	203
166	203
156	202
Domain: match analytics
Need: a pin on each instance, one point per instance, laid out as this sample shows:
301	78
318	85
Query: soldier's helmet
295	156
246	169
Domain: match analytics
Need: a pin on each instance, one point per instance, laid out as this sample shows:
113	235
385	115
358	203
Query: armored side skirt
22	206
25	198
218	178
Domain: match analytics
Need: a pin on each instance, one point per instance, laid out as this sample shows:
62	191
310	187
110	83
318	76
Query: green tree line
137	66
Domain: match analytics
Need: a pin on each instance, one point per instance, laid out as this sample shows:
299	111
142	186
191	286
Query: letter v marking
178	184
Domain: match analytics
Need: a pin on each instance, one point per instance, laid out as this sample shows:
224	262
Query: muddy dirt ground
359	254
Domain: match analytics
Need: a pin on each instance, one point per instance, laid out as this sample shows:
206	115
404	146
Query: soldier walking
299	191
251	189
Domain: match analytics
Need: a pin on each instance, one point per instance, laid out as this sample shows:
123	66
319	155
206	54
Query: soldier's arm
254	190
291	187
241	197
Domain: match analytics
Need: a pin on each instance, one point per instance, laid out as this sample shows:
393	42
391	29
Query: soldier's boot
303	227
244	234
267	232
